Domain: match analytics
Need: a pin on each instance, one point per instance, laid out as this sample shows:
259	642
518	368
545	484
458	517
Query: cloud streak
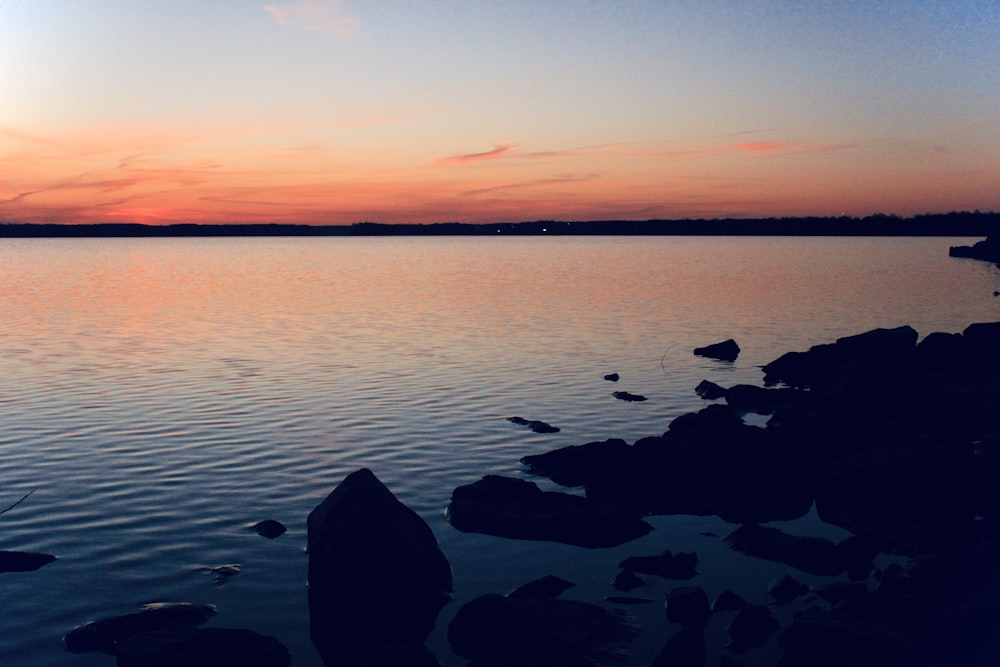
323	16
498	151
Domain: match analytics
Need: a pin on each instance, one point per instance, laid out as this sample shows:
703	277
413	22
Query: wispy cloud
785	148
325	16
496	152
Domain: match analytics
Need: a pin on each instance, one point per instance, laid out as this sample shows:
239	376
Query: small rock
626	396
752	626
727	350
548	586
688	606
627	581
710	391
269	528
534	425
786	589
728	601
612	377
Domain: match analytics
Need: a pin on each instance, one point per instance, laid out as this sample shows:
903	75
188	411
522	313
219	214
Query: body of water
162	395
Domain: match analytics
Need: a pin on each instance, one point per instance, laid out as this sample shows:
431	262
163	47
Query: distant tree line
955	223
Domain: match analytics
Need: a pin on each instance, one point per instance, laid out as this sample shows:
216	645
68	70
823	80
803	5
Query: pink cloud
325	16
496	152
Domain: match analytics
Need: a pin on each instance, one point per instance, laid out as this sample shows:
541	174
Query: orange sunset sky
341	111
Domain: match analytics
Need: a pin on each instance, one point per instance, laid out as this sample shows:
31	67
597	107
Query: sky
343	111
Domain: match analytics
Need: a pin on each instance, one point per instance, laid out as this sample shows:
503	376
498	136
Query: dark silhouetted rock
627	580
727	350
786	589
516	508
105	634
202	647
534	425
688	606
627	599
686	648
578	464
752	627
377	577
612	377
270	528
23	561
809	554
548	586
664	564
628	397
838	591
818	638
728	601
539	632
710	391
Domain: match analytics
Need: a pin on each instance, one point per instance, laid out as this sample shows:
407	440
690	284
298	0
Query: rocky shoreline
894	438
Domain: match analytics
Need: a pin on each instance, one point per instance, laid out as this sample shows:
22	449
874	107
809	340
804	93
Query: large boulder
516	508
202	647
578	464
534	632
727	350
377	577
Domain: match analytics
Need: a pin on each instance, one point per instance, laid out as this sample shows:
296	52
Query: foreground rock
516	508
107	633
377	577
23	561
539	632
202	647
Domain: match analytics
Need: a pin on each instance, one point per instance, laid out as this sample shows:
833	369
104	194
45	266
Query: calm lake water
162	395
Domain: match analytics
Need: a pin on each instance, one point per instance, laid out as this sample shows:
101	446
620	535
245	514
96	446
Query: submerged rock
809	554
516	508
202	647
377	577
628	397
533	424
549	586
23	561
105	634
539	632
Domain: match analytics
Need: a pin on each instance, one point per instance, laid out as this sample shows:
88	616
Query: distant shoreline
939	224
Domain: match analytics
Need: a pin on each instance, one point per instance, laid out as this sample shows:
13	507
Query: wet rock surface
105	634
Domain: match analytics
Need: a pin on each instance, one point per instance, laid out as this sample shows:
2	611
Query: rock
665	564
987	250
222	573
727	350
578	464
728	601
710	391
809	554
818	638
688	606
626	396
202	647
838	591
627	599
534	425
627	580
516	508
105	634
786	589
269	528
23	561
612	377
752	626
377	577
534	632
686	648
548	586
